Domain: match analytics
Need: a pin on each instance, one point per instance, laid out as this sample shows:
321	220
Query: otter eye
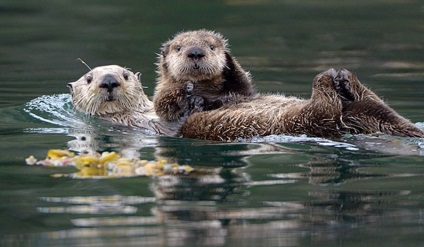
89	79
212	47
125	75
178	48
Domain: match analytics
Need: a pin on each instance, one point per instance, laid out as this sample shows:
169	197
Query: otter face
105	90
194	55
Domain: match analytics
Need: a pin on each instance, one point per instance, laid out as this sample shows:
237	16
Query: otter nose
109	82
195	53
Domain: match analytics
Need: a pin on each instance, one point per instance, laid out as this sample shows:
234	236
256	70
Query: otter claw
189	86
343	75
196	104
342	85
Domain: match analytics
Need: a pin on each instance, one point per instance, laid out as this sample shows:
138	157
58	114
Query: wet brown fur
196	72
339	104
364	112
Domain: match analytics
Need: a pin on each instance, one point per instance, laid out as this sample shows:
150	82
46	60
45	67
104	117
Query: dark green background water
270	193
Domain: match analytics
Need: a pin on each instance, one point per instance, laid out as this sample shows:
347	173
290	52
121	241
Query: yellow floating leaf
142	162
188	168
124	167
149	168
108	157
85	160
108	164
59	153
90	171
31	160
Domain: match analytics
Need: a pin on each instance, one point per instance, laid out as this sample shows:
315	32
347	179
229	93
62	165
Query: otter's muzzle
109	82
195	53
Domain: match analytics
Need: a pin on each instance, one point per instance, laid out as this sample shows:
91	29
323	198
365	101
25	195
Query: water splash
420	125
55	109
58	110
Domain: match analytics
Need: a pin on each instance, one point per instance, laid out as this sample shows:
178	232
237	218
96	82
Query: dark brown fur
339	104
197	72
364	112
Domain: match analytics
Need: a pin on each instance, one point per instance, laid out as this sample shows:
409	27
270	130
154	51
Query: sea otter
339	104
115	93
197	72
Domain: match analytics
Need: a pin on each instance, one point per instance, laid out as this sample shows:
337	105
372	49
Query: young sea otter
197	72
339	104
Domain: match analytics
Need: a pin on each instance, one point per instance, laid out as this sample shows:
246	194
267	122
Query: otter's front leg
174	103
195	103
364	112
350	89
322	115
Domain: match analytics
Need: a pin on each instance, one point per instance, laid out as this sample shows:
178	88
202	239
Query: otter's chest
217	88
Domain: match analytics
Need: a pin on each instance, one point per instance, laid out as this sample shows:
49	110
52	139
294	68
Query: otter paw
189	86
342	85
214	104
324	80
196	104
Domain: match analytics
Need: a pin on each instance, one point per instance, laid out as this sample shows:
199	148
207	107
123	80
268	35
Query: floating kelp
108	164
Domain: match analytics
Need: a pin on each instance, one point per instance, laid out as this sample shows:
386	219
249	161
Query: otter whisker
125	104
79	59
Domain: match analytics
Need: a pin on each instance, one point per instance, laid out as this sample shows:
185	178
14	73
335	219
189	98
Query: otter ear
229	63
232	70
70	85
165	49
138	75
235	75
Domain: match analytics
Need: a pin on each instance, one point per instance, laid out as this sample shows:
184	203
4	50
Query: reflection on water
93	205
222	210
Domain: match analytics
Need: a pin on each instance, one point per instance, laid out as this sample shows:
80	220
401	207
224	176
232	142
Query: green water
278	191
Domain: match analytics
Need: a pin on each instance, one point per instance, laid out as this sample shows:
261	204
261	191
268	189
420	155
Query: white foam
55	109
420	125
301	138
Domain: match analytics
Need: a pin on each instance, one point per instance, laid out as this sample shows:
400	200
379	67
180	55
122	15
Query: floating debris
107	164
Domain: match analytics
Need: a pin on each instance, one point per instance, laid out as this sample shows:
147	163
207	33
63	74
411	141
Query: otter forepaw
324	80
214	104
189	86
342	85
196	104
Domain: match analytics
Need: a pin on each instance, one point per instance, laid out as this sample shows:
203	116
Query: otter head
194	56
107	90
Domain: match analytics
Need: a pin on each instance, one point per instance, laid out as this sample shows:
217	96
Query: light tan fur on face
196	66
124	103
91	98
181	68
